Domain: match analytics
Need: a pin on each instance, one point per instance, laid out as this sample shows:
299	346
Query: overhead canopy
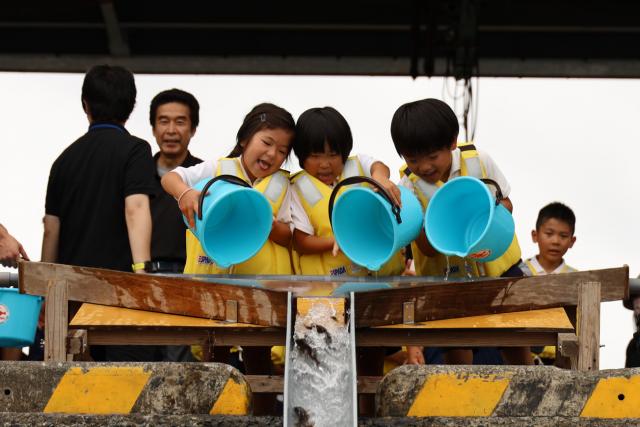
524	38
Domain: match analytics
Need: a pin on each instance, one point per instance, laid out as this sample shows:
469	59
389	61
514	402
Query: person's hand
414	355
189	206
407	268
392	189
11	250
336	249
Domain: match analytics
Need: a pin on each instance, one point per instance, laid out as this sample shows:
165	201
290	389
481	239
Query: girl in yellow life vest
323	143
264	141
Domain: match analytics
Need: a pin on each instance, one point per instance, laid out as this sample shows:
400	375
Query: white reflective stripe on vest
351	169
229	167
309	191
474	167
427	190
275	187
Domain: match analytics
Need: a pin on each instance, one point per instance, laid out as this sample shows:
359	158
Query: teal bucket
464	219
234	220
18	317
367	226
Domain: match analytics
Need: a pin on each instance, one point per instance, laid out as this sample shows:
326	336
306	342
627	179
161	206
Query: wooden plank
56	320
375	337
552	318
186	336
157	293
435	301
103	315
588	329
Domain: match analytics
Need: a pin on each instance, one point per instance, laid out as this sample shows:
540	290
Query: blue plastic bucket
366	225
18	317
464	219
234	220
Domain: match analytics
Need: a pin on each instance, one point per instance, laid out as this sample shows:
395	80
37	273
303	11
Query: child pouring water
263	143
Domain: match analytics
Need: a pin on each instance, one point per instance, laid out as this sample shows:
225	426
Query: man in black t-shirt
174	116
97	205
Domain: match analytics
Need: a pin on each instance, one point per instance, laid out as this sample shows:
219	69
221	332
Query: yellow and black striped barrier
510	391
123	388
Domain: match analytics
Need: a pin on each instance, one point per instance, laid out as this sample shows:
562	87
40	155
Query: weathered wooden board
434	301
539	320
157	293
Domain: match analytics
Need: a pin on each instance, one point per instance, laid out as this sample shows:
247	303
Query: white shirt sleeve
299	216
196	173
406	183
284	214
494	172
366	162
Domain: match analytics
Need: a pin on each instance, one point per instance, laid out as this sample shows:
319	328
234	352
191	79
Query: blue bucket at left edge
18	317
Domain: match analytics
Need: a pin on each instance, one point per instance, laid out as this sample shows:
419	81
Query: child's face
265	152
432	167
554	238
326	166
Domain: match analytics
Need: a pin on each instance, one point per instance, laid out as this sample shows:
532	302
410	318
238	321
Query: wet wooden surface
459	299
157	293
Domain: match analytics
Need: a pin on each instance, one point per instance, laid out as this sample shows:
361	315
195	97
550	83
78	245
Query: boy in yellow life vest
425	134
323	143
554	235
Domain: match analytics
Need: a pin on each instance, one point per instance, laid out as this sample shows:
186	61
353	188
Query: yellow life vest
272	258
470	165
314	197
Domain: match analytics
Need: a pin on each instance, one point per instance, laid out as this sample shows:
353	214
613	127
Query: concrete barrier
123	388
510	391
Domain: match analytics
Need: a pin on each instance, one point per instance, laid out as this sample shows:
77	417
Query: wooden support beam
56	321
446	300
588	328
186	336
162	294
453	338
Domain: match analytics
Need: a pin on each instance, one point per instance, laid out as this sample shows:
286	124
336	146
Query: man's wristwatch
146	266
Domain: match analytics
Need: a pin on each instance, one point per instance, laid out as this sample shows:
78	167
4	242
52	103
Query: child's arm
380	172
186	196
306	244
506	202
424	245
280	233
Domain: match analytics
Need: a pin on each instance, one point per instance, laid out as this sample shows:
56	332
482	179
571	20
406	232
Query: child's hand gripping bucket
368	227
18	317
465	220
234	220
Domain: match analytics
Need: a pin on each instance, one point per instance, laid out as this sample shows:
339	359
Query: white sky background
570	140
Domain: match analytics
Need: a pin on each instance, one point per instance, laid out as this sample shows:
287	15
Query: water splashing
320	382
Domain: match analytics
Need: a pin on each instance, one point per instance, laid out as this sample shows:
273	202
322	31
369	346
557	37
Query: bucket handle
229	178
499	196
357	180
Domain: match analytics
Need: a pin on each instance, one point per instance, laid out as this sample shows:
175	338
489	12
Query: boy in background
554	235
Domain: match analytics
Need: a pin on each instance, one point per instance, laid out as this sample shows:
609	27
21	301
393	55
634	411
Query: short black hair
422	127
262	116
317	126
559	211
109	93
179	96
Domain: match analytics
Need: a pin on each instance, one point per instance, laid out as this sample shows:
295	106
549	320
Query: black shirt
168	236
87	187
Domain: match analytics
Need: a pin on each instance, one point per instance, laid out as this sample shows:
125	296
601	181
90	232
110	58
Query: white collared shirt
532	267
207	170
